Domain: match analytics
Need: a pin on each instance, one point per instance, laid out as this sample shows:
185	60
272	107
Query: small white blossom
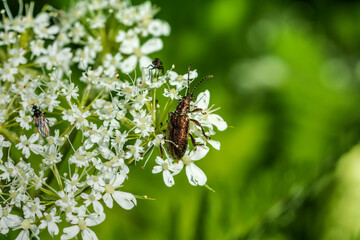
50	222
124	199
17	57
158	28
32	209
97	21
135	150
77	32
24	120
81	223
37	47
166	166
70	91
7	72
93	198
28	144
195	175
132	47
208	117
7	220
180	81
3	143
73	184
27	227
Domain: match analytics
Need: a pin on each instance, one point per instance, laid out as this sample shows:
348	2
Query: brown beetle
179	123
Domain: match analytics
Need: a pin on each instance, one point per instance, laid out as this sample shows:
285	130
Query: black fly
157	64
41	122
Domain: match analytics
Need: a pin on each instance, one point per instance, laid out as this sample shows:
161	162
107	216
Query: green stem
13	138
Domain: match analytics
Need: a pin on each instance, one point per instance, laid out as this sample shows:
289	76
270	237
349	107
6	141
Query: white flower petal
4	229
128	46
176	167
70	232
124	199
152	45
145	61
217	121
156	169
215	144
119	180
53	228
129	64
172	75
159	160
23	235
195	175
84	195
203	100
88	234
95	138
26	152
121	36
13	220
168	178
34	137
92	221
198	153
193	74
108	200
43	224
98	207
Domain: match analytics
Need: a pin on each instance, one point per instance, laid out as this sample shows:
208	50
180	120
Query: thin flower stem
209	188
13	138
7	125
50	193
154	106
10	105
69	128
88	106
129	124
165	111
57	176
85	94
82	173
143	197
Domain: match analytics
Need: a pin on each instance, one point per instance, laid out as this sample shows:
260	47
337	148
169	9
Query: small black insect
41	122
179	123
157	64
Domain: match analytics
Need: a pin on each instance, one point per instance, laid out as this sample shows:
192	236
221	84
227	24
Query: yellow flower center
109	188
25	224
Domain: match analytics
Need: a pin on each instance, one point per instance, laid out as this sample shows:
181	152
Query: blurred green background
287	78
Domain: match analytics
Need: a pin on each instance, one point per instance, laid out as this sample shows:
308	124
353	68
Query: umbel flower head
75	114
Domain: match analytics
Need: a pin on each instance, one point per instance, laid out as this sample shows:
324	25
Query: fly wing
43	125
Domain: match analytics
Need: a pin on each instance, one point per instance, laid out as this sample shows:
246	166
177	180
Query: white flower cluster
72	120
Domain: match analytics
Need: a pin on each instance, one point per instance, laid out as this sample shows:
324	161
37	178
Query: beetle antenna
208	76
188	90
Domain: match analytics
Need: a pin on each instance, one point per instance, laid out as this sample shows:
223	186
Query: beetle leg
157	73
161	151
162	69
196	110
194	142
202	129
